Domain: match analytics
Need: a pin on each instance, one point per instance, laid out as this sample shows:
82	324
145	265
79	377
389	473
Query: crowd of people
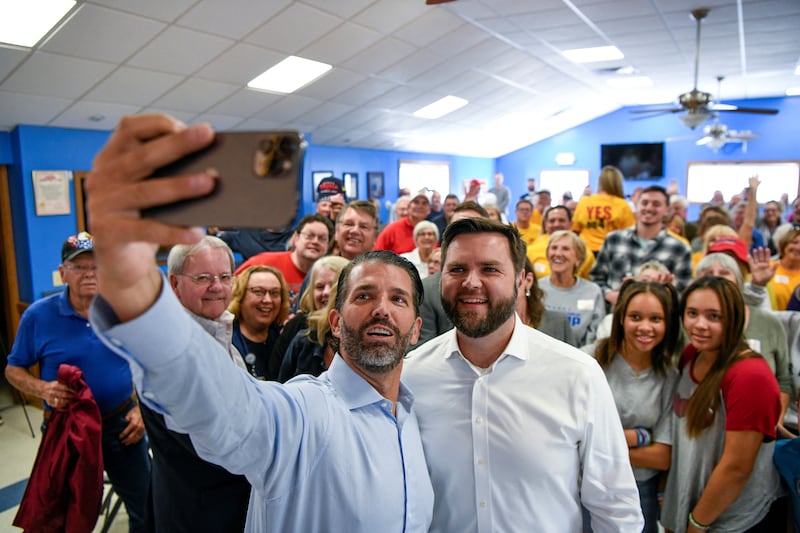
450	370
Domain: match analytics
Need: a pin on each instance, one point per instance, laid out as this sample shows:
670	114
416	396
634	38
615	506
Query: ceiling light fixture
593	55
793	91
441	107
797	70
24	23
289	75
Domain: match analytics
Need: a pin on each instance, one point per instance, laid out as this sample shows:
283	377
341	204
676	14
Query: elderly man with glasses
310	242
201	276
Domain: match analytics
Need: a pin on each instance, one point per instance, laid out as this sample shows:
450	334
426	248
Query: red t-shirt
282	261
751	394
397	237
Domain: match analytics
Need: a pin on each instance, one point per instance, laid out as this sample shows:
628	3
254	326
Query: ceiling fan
699	106
717	135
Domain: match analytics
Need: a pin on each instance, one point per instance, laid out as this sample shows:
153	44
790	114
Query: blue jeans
128	469
648	499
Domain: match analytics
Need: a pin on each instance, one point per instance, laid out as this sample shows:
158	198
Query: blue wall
38	239
778	139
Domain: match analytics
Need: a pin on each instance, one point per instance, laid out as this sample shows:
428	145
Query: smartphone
258	182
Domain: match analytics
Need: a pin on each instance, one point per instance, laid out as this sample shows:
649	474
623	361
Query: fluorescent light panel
441	107
289	75
797	70
593	55
793	91
25	22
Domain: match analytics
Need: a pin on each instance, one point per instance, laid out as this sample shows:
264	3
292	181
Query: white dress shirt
521	445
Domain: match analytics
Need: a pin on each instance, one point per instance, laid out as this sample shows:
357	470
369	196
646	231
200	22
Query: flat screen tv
637	161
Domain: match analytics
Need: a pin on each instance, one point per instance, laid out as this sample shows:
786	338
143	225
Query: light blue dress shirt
322	454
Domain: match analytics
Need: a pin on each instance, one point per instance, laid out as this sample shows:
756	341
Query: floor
16	459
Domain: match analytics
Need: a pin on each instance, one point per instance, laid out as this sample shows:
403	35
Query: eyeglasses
206	280
81	269
260	292
314	237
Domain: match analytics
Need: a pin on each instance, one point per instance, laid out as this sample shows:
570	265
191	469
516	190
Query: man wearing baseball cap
55	330
399	235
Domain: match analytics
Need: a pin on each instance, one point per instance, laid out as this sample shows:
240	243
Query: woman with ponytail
725	411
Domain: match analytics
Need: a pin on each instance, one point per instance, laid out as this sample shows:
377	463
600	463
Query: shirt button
484	505
149	395
479	420
481	462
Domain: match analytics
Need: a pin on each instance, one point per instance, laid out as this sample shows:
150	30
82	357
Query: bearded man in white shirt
519	429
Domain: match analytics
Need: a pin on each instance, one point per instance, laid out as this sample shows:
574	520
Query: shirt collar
65	306
355	392
517	346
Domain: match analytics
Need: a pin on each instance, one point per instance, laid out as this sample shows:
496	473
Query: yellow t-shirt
783	283
598	215
529	234
537	253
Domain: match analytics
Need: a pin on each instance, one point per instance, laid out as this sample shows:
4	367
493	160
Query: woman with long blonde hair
599	214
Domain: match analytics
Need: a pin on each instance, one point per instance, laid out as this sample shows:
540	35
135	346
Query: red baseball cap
732	245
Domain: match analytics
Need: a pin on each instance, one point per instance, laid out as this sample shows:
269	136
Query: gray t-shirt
583	304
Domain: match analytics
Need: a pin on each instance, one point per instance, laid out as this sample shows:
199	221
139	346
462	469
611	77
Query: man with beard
340	452
519	429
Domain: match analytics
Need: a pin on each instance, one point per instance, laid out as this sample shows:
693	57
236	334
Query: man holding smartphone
341	452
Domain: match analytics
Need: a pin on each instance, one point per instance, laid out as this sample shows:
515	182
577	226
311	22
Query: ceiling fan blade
704	141
658	110
753	110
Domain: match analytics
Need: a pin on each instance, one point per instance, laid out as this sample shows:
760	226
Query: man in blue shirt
55	330
341	452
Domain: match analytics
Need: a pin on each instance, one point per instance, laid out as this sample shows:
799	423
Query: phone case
258	182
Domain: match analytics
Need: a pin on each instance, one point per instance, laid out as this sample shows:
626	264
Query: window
777	178
416	175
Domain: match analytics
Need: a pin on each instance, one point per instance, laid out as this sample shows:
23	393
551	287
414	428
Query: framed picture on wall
375	181
316	177
80	200
350	180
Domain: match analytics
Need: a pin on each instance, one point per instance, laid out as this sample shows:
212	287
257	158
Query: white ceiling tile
240	64
388	15
288	108
364	91
219	122
294	28
342	43
331	84
230	18
395	97
341	8
258	124
133	86
439	74
156	9
513	8
195	95
31	109
105	116
326	113
94	33
459	40
180	50
10	58
49	74
379	56
432	25
245	102
411	66
354	118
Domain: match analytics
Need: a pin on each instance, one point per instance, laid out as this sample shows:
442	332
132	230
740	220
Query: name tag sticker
754	344
585	305
539	268
783	280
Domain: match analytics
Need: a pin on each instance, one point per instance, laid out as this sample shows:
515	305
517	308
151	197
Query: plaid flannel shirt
623	252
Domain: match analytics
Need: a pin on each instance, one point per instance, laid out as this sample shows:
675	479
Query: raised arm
125	243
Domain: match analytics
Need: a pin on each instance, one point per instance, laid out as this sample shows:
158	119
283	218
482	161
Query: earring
528	292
